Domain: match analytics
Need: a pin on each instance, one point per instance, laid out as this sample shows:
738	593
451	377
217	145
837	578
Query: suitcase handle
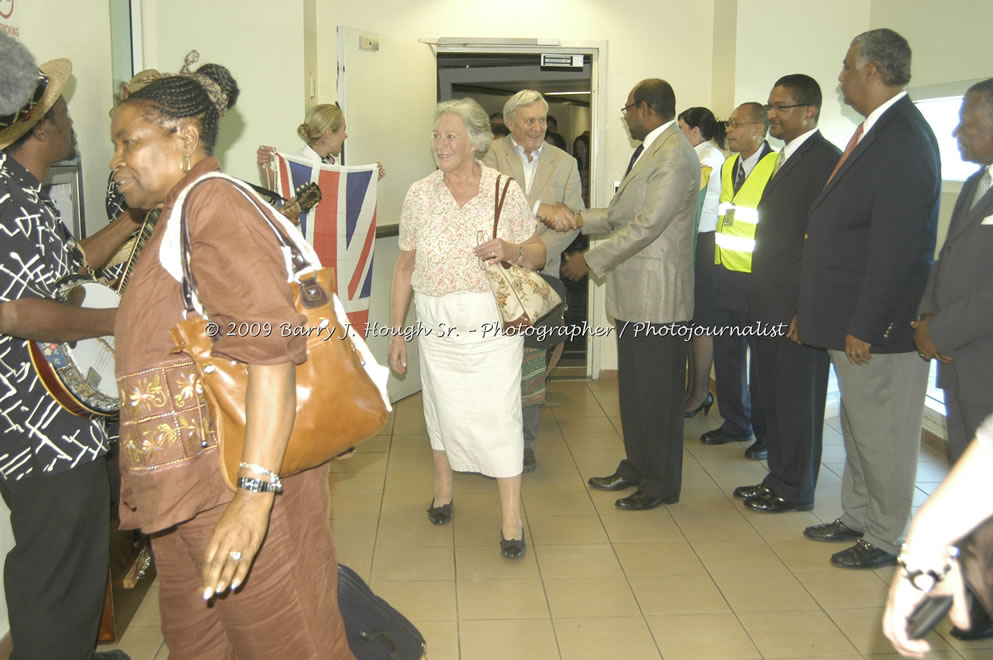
386	634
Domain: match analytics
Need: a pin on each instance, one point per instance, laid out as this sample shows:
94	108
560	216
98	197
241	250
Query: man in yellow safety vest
743	179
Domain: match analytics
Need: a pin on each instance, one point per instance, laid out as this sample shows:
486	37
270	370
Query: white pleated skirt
471	380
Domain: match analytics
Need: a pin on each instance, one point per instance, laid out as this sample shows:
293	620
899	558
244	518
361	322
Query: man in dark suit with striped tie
792	381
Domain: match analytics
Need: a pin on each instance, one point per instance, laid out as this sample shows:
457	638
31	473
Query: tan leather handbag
521	294
338	404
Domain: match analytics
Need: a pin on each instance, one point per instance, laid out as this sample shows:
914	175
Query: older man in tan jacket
549	178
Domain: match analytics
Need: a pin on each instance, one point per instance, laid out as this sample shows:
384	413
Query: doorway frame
597	50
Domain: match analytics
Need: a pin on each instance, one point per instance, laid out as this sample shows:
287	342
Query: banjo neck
140	239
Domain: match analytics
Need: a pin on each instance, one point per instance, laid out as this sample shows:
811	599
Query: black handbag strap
188	285
498	201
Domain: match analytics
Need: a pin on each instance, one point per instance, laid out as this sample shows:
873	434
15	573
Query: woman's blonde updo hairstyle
318	120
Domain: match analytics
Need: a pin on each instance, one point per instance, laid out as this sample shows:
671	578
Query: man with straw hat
53	471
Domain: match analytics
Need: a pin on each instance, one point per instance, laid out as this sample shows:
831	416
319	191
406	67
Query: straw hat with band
52	78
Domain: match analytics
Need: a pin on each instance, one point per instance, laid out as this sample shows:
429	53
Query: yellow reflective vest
737	216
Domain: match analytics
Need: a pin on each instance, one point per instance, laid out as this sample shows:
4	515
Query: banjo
80	375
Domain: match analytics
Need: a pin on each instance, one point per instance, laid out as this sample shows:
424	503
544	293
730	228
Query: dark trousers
650	375
792	387
737	381
55	576
962	419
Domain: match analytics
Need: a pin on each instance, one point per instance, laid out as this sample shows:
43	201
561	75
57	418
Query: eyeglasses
629	106
783	108
738	124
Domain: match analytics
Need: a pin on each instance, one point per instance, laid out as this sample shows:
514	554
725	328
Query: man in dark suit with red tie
792	377
870	242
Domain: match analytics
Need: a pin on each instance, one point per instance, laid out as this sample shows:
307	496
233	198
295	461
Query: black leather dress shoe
769	502
440	515
744	492
719	436
611	482
831	532
639	500
513	548
981	627
863	555
757	451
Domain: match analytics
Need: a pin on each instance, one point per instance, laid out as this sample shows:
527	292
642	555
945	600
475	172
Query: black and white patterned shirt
36	434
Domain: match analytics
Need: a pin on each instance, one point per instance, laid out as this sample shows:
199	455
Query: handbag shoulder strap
188	284
498	200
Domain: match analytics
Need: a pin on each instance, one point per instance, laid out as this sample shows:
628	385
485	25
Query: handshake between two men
561	218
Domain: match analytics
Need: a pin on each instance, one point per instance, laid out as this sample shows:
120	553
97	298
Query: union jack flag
342	227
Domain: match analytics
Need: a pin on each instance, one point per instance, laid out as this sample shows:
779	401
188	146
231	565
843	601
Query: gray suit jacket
649	251
555	180
959	293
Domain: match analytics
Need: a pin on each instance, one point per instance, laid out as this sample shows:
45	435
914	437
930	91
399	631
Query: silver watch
259	486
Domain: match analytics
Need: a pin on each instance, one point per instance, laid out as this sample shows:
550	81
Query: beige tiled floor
701	579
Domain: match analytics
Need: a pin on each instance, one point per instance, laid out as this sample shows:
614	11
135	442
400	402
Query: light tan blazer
555	180
648	254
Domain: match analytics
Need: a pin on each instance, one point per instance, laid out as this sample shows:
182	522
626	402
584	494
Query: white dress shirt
530	167
794	144
748	164
709	154
874	116
650	138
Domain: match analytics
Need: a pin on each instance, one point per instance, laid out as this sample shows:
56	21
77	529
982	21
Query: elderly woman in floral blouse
469	372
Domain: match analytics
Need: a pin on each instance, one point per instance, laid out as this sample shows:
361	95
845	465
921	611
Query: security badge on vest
738	217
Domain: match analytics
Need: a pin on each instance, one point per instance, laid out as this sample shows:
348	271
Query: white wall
950	42
767	48
263	46
79	31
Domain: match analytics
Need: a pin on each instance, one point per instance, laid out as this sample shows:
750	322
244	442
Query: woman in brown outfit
245	574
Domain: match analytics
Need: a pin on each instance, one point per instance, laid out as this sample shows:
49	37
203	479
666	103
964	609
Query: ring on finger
235	555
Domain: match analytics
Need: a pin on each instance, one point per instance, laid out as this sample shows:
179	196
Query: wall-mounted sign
6	18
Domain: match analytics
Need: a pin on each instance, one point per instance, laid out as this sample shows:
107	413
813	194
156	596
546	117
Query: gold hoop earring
184	163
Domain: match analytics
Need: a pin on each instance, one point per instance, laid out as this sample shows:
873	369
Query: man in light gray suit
956	310
648	260
549	178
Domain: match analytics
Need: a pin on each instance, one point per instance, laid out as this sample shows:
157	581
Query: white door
387	89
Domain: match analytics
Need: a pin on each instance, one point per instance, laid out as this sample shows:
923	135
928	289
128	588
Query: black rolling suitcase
375	630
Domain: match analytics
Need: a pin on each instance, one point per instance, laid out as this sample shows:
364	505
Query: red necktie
848	151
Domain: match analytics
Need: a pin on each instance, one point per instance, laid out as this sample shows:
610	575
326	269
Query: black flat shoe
705	407
513	548
863	555
440	515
